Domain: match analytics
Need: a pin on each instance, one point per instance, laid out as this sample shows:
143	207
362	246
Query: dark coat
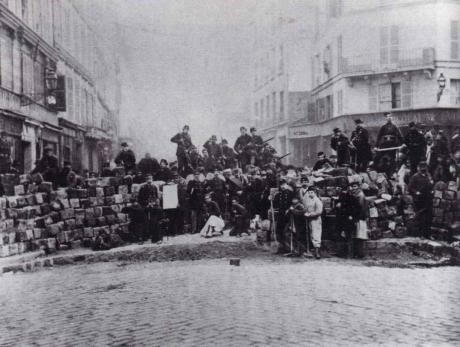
415	142
214	149
212	209
148	194
360	140
341	144
183	141
389	136
127	159
196	192
455	144
163	174
420	187
320	163
242	142
148	166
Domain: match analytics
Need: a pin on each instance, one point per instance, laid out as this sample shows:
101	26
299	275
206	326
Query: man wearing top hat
340	144
184	146
126	158
361	147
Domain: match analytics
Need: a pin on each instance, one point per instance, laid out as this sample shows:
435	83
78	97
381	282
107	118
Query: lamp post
441	84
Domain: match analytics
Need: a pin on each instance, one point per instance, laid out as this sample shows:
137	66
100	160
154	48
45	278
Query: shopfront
11	126
72	137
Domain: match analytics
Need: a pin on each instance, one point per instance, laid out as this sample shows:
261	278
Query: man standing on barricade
148	198
389	137
361	148
340	144
228	158
213	148
126	158
241	148
184	145
416	145
148	166
255	148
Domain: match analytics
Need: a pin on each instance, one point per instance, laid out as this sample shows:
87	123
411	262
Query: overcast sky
183	62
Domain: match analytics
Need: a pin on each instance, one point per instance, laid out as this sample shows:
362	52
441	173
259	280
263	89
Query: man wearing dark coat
361	147
420	187
213	148
196	192
389	136
241	147
348	214
282	202
48	166
340	144
148	198
416	145
228	155
126	158
322	162
455	142
216	186
184	145
148	165
255	148
164	173
241	217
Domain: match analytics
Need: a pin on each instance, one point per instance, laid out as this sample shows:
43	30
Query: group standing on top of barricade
349	196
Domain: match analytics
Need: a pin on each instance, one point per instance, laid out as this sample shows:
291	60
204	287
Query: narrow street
277	302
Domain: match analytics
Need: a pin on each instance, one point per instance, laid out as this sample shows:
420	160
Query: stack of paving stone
38	217
391	215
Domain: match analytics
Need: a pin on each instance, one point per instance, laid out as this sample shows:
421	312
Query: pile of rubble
37	217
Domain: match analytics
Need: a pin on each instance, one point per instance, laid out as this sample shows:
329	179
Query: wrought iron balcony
391	60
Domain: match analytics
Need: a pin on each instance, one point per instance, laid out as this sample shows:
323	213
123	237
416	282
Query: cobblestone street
209	303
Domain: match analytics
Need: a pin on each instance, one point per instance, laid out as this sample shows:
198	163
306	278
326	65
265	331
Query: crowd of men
233	186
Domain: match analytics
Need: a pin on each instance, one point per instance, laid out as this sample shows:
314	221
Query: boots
317	253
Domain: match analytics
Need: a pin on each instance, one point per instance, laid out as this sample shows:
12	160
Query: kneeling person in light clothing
314	209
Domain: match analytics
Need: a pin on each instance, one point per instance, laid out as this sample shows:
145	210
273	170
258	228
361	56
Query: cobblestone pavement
210	303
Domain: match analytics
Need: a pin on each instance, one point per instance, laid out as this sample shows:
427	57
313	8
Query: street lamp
442	85
51	79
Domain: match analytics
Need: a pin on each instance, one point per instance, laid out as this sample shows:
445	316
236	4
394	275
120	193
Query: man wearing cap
48	166
126	158
241	147
340	144
282	202
420	187
416	145
361	147
184	145
256	146
389	136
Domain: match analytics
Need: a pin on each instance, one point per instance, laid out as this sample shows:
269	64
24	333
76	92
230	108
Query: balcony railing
389	61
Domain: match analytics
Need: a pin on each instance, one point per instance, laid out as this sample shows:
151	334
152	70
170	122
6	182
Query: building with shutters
376	56
36	35
280	55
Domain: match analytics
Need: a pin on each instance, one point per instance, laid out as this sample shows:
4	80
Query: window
389	44
372	98
281	105
6	62
396	95
340	102
27	72
454	33
406	94
329	107
77	101
385	100
274	104
327	61
455	91
339	54
39	76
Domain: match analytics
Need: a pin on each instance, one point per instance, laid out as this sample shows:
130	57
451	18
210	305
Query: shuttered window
406	91
384	96
6	62
389	44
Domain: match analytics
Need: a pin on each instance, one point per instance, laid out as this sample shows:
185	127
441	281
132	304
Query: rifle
267	140
284	156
